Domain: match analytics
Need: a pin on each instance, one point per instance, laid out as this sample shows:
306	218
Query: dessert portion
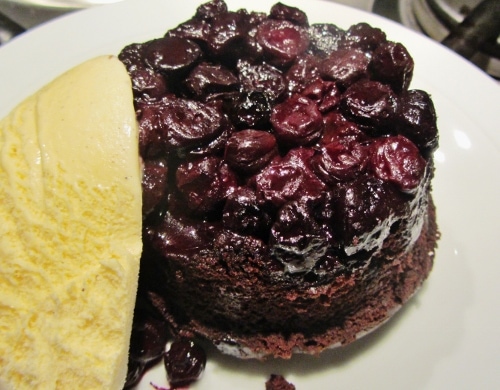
70	237
286	188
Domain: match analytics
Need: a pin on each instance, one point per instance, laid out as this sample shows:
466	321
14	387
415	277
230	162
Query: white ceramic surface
448	336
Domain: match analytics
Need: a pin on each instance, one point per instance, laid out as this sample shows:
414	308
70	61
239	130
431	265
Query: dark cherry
337	161
132	56
154	184
365	209
243	213
370	103
281	11
205	183
147	83
325	94
416	119
339	129
263	78
181	123
296	239
252	110
249	151
149	339
297	121
184	362
397	160
211	9
228	35
325	38
345	66
282	41
303	72
364	37
208	79
289	178
393	65
169	54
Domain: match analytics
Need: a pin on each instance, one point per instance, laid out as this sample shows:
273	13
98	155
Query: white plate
448	336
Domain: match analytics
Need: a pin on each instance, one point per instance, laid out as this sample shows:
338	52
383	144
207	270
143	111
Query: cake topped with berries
287	178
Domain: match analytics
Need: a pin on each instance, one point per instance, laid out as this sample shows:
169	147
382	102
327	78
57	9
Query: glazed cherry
339	129
170	54
364	37
325	94
392	64
397	160
281	11
261	78
184	362
149	338
205	183
325	38
249	151
208	79
416	119
296	239
370	103
340	162
303	72
154	184
282	41
252	110
211	9
243	214
289	178
345	66
297	121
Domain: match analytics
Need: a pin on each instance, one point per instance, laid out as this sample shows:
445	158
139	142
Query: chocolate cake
287	178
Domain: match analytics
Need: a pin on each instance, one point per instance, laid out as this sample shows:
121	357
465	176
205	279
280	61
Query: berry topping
340	162
297	240
185	362
370	103
396	159
416	119
282	41
297	121
170	54
205	183
250	150
392	64
289	178
345	66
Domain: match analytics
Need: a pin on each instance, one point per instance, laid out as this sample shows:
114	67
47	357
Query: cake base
378	292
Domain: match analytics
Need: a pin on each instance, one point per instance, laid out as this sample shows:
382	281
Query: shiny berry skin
282	41
370	103
397	160
249	151
184	362
289	178
297	121
345	66
171	54
340	162
297	239
416	119
205	183
392	64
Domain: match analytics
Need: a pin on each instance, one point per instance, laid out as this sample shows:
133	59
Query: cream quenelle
70	237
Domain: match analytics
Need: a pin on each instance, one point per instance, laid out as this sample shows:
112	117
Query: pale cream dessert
70	237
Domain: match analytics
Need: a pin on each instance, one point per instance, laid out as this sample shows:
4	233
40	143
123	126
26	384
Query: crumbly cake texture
287	180
307	318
